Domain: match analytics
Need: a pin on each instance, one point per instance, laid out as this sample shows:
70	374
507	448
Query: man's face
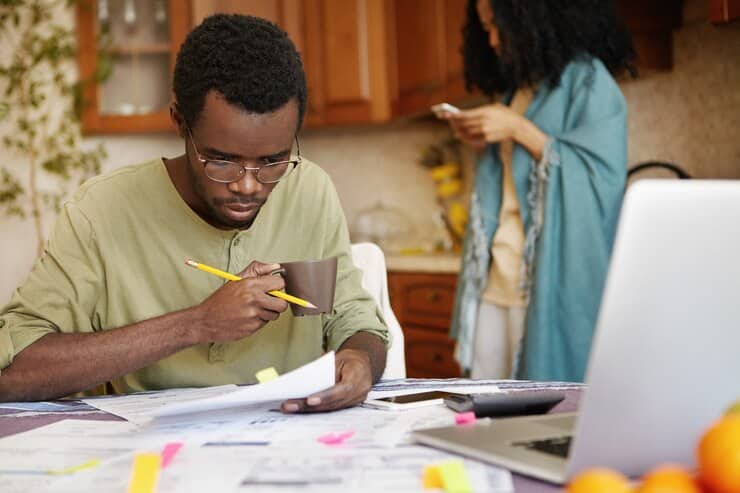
227	132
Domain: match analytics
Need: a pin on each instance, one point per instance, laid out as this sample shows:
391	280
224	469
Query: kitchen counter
442	263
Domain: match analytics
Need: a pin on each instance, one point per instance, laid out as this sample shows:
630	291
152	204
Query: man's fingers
336	397
257	269
274	304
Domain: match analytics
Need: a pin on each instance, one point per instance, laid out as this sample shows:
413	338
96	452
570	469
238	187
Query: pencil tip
188	261
311	305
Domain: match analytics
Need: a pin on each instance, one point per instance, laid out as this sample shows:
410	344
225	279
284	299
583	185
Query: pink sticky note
169	451
465	418
333	438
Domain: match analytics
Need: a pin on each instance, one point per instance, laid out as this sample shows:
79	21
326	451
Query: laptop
665	361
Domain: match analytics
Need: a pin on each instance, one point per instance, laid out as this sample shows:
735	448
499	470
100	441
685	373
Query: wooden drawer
429	354
423	299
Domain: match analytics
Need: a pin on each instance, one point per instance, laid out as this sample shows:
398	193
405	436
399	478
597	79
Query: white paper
252	447
308	379
139	407
143	407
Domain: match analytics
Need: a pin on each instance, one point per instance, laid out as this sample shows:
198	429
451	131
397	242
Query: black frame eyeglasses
224	171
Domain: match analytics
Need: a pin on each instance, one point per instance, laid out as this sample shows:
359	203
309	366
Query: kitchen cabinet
721	11
367	61
422	303
652	25
135	43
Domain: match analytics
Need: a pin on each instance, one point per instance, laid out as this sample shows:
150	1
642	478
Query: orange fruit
599	480
718	456
668	479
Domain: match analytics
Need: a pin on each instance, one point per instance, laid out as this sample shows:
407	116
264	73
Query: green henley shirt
116	256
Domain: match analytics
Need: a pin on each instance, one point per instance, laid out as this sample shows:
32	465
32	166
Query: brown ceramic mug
311	280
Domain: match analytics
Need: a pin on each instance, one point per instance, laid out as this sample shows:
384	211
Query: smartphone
439	109
408	401
504	404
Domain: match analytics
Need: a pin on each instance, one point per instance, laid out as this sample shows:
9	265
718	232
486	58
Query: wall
690	116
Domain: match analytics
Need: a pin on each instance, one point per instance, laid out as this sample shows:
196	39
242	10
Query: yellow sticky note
73	469
266	375
432	479
144	473
454	477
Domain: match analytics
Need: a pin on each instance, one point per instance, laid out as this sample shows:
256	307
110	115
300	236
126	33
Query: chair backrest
369	258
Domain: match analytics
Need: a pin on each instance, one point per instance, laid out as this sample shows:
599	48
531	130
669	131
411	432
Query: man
112	301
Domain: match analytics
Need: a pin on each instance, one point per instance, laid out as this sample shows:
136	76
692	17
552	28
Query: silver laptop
666	355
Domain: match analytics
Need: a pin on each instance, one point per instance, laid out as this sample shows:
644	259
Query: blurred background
374	68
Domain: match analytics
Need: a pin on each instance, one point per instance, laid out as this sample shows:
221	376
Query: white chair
369	258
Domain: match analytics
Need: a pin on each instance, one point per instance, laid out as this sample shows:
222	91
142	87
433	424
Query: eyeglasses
224	171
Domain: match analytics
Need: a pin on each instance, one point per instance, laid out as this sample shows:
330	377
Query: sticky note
333	438
454	477
73	469
432	479
144	473
266	375
465	418
169	451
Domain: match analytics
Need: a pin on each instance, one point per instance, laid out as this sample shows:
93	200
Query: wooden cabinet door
423	302
418	30
724	10
346	61
288	14
454	16
429	354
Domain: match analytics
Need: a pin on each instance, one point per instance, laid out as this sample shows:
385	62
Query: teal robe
569	203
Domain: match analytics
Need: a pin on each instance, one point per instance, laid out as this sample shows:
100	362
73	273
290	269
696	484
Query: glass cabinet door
126	53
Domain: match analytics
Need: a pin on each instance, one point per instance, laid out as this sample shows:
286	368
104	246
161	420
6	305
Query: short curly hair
539	38
249	61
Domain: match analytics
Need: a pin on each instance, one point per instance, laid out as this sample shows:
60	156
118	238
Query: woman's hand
495	123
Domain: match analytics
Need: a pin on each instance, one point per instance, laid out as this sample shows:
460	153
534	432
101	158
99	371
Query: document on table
33	460
391	388
141	408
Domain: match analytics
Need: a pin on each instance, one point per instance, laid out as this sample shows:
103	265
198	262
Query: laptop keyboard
555	446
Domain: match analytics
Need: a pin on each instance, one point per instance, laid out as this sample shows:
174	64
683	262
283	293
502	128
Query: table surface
10	425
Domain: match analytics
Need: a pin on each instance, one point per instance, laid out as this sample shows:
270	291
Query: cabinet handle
437	358
434	297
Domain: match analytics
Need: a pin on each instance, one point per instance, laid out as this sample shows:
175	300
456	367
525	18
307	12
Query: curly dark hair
250	61
538	38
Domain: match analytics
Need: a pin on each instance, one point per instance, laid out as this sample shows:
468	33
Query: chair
369	258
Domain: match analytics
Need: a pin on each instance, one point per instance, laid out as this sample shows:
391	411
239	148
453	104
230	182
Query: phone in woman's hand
440	109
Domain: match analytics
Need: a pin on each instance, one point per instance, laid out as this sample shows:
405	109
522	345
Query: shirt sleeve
62	292
355	309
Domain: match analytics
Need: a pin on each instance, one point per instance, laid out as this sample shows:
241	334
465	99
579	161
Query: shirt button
236	242
2	323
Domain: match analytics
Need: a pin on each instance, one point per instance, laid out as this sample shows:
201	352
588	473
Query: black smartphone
504	404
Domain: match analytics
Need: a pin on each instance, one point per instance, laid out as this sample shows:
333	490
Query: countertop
439	263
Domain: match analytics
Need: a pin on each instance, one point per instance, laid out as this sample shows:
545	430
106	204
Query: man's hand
354	379
240	308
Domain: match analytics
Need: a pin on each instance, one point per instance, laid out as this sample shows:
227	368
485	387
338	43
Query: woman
548	186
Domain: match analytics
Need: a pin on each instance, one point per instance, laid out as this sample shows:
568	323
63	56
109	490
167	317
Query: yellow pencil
231	277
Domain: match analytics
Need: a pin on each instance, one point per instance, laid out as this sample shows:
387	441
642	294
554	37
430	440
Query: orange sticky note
432	479
144	473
